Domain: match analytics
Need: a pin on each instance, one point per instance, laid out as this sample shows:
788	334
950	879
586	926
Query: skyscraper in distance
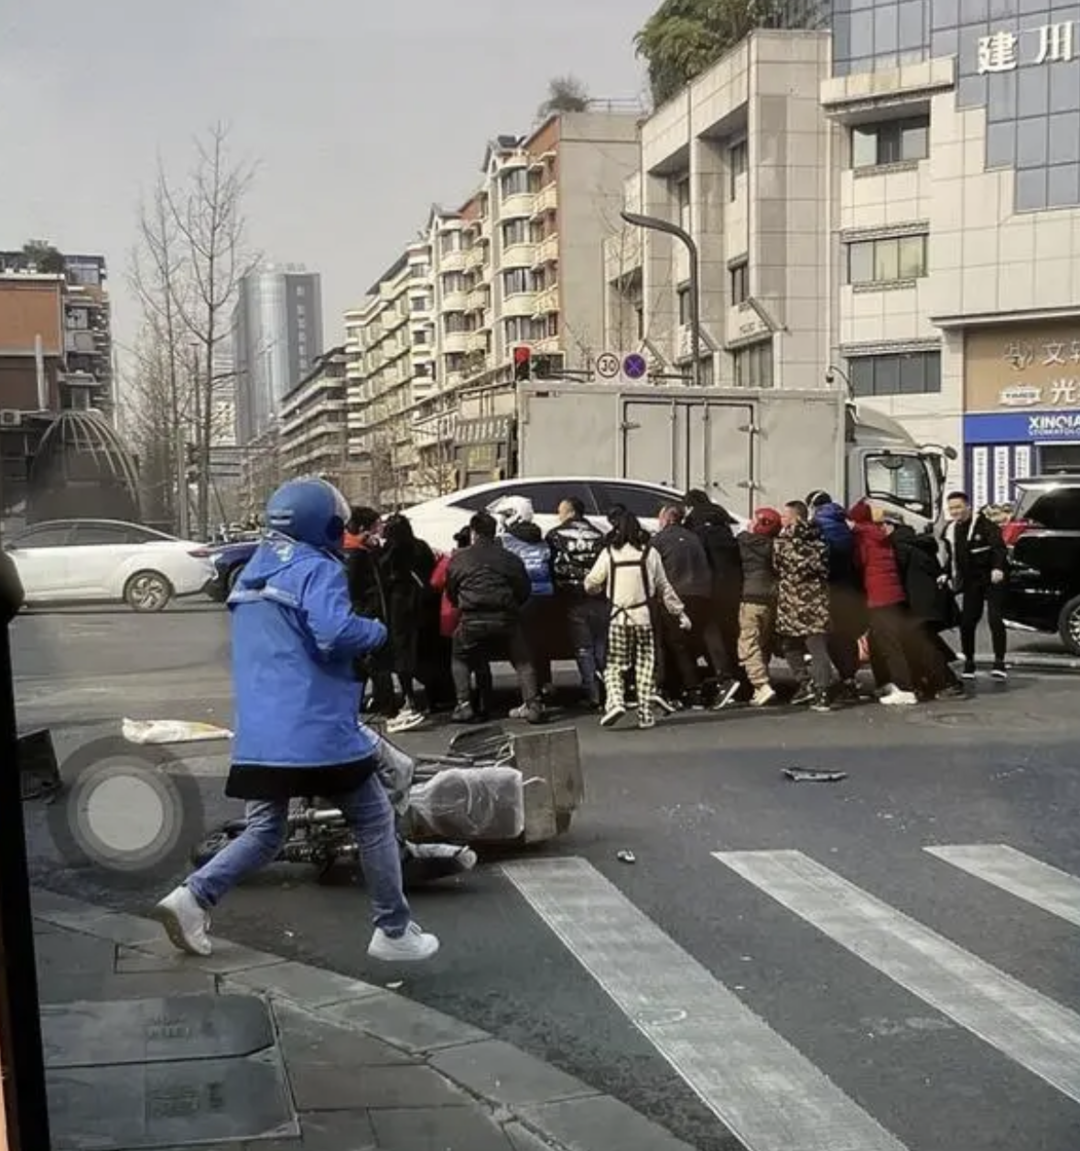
277	336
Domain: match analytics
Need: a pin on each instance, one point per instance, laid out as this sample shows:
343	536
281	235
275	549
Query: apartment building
390	368
516	265
313	426
892	203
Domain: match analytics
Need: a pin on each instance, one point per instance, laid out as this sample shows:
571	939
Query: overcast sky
360	114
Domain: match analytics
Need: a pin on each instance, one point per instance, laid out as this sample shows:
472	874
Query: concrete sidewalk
246	1051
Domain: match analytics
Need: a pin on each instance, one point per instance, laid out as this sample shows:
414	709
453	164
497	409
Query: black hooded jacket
920	570
713	526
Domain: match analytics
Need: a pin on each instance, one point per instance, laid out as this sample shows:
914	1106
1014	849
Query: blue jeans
369	812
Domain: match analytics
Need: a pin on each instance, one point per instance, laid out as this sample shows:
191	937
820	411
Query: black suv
1043	535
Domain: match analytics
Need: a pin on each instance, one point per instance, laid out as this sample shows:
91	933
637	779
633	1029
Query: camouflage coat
801	560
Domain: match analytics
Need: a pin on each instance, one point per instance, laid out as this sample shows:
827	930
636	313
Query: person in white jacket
631	574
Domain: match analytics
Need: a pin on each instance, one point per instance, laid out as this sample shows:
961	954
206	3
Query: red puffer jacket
875	559
448	614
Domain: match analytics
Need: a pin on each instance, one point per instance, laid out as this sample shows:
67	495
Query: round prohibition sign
608	366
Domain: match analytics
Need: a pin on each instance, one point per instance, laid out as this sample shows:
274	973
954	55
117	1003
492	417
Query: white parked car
107	561
438	521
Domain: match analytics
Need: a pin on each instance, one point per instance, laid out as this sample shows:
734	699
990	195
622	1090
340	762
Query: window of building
516	281
682	203
890	142
514	182
450	242
301	291
515	232
453	282
740	283
684	305
420	304
738	160
419	337
903	373
887	260
754	366
639	316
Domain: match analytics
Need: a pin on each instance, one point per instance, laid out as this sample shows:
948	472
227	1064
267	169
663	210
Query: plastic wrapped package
470	803
171	731
396	770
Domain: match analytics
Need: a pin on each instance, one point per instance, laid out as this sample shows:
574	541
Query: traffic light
522	363
548	367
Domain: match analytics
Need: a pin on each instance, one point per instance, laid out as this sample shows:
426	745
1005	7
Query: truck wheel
1069	626
147	591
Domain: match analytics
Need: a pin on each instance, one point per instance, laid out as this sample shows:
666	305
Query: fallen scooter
490	788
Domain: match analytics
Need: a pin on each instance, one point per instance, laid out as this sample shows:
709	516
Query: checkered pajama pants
630	647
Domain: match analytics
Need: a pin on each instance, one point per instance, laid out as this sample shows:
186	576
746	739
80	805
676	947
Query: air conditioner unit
10	418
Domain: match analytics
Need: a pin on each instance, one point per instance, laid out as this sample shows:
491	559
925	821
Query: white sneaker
186	922
612	716
412	947
762	696
898	698
884	692
406	720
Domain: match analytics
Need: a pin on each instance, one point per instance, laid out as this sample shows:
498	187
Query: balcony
547	251
547	345
455	342
452	261
520	304
547	199
519	206
474	257
477	299
454	301
547	301
518	256
477	342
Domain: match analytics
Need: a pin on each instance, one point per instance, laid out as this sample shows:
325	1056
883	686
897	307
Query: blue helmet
309	511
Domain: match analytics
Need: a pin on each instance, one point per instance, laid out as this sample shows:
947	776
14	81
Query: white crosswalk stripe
768	1094
1028	879
1025	1025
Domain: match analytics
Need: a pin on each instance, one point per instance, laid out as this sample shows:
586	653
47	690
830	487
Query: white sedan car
437	521
106	561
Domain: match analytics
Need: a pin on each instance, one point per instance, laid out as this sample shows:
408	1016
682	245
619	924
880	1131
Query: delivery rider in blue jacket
294	640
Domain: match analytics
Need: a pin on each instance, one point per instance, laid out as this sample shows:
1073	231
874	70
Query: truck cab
887	465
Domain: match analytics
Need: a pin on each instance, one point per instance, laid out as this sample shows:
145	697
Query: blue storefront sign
1003	447
1022	427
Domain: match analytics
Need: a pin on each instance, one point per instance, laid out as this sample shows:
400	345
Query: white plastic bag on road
171	731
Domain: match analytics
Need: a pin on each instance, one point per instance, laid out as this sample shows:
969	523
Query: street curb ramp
537	1106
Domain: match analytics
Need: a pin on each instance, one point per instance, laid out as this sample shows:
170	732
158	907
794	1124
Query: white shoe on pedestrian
663	703
186	922
884	692
612	716
898	698
405	720
412	947
762	696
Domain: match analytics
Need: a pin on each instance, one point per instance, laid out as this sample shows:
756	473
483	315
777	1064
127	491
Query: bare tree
158	394
208	216
565	94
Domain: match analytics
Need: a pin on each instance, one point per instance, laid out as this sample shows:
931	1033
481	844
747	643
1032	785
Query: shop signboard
1013	369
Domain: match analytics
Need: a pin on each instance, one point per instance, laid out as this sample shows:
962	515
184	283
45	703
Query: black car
1043	536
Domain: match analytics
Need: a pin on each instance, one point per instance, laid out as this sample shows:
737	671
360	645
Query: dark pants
929	657
889	639
480	641
587	617
847	615
796	649
979	596
535	619
708	631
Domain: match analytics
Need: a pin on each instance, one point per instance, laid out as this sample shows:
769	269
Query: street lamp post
831	371
656	224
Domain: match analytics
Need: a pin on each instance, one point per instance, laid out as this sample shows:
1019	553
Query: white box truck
745	448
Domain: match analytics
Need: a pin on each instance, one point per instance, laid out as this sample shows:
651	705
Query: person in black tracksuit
489	585
977	565
576	544
368	598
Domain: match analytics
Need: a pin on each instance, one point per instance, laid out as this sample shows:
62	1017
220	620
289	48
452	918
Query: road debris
807	775
626	857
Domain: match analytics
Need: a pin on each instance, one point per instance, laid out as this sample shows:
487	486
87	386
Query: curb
538	1107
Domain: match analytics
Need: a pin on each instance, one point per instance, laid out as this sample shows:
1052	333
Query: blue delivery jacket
535	553
294	639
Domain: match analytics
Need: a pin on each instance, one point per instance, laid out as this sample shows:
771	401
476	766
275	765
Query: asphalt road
938	1016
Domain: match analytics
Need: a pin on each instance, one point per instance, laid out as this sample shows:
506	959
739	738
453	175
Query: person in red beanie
757	610
886	599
